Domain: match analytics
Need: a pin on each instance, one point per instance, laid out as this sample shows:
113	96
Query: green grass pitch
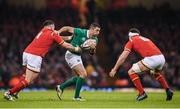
97	99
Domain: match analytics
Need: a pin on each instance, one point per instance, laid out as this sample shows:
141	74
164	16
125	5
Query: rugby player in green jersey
74	60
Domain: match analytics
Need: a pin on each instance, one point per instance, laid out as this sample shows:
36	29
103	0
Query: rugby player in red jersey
34	53
153	61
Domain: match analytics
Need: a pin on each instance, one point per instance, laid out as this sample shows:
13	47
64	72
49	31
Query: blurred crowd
19	25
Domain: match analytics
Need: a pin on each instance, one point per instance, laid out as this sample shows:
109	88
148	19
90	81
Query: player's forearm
63	29
67	38
66	29
119	62
71	48
121	59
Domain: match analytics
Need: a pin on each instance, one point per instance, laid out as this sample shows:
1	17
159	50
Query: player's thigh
80	70
33	67
154	62
138	68
72	59
30	75
161	61
34	62
75	63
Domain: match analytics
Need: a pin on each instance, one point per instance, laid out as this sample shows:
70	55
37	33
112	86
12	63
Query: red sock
21	85
136	81
22	77
159	77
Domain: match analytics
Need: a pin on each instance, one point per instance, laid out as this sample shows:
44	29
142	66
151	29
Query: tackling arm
67	38
64	44
71	48
66	29
119	62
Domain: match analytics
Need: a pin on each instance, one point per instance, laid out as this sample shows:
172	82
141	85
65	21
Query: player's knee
134	69
130	71
156	75
83	75
28	81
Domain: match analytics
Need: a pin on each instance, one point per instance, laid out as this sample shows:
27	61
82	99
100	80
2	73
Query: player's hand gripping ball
89	45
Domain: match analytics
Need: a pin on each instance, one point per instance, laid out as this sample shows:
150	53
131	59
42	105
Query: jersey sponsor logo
69	55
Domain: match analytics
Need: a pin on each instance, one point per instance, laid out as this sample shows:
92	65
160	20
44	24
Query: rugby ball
88	43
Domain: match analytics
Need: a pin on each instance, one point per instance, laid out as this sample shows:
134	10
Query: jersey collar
88	34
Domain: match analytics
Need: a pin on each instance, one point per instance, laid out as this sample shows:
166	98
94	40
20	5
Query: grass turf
48	99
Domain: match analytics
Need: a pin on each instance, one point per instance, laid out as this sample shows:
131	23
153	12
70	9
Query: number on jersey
144	39
39	34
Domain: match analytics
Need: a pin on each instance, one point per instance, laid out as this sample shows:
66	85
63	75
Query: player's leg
160	78
78	80
22	77
30	76
157	63
33	63
79	70
72	60
69	82
60	88
7	94
133	74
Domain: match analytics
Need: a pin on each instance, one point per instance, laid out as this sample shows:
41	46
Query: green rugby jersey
80	36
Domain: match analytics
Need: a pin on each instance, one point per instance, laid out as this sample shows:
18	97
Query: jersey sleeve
128	46
57	38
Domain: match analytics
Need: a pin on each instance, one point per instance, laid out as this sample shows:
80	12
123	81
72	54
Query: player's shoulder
50	32
80	29
134	38
47	30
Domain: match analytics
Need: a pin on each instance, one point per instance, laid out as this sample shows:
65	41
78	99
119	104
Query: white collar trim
131	35
87	33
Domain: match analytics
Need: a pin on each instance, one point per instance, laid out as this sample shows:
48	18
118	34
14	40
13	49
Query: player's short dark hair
48	22
93	25
134	30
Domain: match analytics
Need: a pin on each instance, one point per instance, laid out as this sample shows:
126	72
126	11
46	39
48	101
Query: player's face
95	31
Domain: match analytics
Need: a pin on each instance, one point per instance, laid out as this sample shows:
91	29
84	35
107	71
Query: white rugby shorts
73	59
155	62
32	62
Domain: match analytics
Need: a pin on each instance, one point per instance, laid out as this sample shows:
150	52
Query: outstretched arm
64	44
66	29
70	47
67	38
119	62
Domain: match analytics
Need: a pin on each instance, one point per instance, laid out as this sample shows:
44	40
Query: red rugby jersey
144	46
43	41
